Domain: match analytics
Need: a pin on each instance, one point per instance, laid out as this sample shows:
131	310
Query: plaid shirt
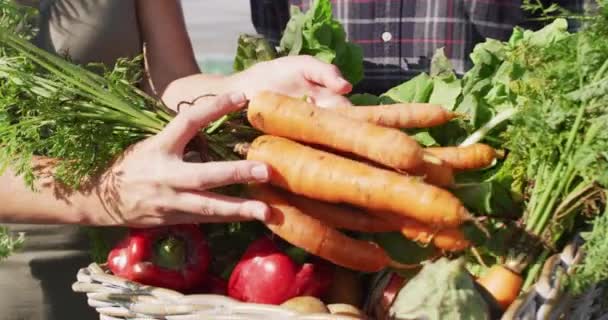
399	37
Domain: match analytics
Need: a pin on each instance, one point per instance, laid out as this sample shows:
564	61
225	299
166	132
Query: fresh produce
305	305
315	33
265	274
342	217
446	239
594	270
439	175
304	231
345	310
503	284
519	142
399	115
283	116
9	242
475	156
174	257
441	290
318	34
252	49
375	189
555	136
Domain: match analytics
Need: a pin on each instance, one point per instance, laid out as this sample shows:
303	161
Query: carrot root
400	115
502	283
439	175
313	236
327	177
341	217
298	120
446	239
475	156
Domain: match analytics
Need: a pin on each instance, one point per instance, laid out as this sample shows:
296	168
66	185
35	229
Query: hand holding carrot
295	76
151	184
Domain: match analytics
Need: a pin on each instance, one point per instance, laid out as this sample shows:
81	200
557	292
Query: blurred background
214	27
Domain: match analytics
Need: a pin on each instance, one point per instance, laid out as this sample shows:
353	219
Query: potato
306	305
346	288
344	309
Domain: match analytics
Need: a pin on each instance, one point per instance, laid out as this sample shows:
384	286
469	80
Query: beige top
35	283
90	30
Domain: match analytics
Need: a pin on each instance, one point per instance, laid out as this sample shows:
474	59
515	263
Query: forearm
48	204
169	52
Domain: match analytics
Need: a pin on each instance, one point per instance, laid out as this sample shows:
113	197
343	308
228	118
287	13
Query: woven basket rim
116	298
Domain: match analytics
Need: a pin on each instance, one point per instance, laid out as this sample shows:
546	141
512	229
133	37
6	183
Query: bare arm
148	185
168	48
49	204
177	77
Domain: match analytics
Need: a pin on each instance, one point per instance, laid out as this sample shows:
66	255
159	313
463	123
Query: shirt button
387	36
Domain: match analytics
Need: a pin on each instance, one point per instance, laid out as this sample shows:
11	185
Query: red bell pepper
267	275
174	257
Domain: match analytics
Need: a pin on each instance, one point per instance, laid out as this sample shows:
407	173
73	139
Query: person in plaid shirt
399	37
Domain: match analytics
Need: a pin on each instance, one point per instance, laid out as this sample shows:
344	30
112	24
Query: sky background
214	27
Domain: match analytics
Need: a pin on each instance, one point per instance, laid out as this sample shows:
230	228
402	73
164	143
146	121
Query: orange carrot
400	115
327	177
451	240
341	217
475	156
502	283
298	120
315	237
445	239
439	175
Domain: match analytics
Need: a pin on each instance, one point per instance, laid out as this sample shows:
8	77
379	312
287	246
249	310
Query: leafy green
417	89
364	99
556	136
446	86
51	107
441	290
401	249
21	19
252	49
318	34
594	268
9	243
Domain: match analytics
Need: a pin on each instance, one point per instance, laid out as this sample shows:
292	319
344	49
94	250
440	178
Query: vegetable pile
441	198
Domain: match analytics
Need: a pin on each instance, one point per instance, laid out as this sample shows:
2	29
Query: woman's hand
152	184
296	76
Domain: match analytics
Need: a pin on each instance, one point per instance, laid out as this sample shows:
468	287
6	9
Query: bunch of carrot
354	169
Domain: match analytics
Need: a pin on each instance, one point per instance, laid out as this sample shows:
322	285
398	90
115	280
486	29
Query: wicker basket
115	298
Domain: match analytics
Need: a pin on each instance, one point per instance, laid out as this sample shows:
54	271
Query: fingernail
260	211
343	82
238	98
260	172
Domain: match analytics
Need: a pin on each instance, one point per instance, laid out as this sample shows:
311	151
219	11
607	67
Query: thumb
176	135
326	75
325	98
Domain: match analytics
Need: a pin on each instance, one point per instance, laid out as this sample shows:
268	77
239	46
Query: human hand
296	76
152	185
